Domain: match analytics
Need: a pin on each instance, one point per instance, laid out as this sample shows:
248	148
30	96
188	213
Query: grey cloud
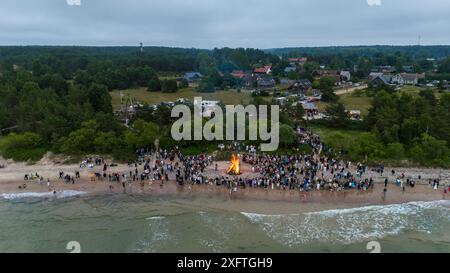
217	23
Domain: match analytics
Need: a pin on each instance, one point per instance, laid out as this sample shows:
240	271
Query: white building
406	78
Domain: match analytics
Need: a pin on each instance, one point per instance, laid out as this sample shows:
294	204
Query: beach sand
12	176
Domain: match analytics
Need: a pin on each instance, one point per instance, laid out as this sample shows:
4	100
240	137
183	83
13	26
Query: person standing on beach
385	182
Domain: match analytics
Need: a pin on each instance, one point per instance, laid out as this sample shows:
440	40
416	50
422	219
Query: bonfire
235	167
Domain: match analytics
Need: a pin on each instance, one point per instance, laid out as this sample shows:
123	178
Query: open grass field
351	101
357	100
142	95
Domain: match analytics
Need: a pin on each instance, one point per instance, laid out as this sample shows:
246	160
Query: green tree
429	150
395	151
80	141
99	98
154	84
337	115
288	136
143	134
169	86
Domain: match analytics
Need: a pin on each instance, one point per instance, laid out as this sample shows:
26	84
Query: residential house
407	78
265	82
329	73
267	69
287	82
311	110
303	85
193	76
340	76
238	74
373	75
290	69
249	81
380	80
384	69
300	61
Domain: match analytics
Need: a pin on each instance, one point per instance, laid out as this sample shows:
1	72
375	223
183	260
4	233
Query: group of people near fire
298	171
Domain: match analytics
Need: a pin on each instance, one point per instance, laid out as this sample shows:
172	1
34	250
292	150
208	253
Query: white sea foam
155	218
59	194
351	225
405	208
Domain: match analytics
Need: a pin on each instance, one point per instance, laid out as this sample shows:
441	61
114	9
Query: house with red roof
301	60
238	74
267	69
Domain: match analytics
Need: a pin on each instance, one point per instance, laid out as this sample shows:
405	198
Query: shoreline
11	178
9	182
253	201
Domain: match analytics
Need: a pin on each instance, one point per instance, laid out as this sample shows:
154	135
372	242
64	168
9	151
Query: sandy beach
12	176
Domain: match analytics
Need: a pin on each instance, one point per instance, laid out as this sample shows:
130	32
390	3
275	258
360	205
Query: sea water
138	223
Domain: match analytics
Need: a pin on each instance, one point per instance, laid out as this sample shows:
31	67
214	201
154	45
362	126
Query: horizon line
200	48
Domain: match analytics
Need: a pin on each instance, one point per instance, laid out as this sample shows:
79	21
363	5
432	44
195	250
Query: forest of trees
57	99
399	127
361	59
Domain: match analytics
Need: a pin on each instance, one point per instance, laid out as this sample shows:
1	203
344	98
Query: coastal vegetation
62	99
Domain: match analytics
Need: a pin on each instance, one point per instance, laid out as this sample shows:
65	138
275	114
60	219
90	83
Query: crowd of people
300	171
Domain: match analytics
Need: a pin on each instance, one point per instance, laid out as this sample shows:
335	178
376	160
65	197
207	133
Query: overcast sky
220	23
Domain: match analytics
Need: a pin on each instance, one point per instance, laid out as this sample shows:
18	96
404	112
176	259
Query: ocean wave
155	218
405	208
59	194
353	224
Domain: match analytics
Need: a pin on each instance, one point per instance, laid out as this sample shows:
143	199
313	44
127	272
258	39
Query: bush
23	147
430	151
169	86
395	151
368	147
206	87
154	85
288	136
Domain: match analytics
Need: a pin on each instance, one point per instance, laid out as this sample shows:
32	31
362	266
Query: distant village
288	92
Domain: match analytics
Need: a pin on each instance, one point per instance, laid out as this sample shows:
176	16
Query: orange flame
235	165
